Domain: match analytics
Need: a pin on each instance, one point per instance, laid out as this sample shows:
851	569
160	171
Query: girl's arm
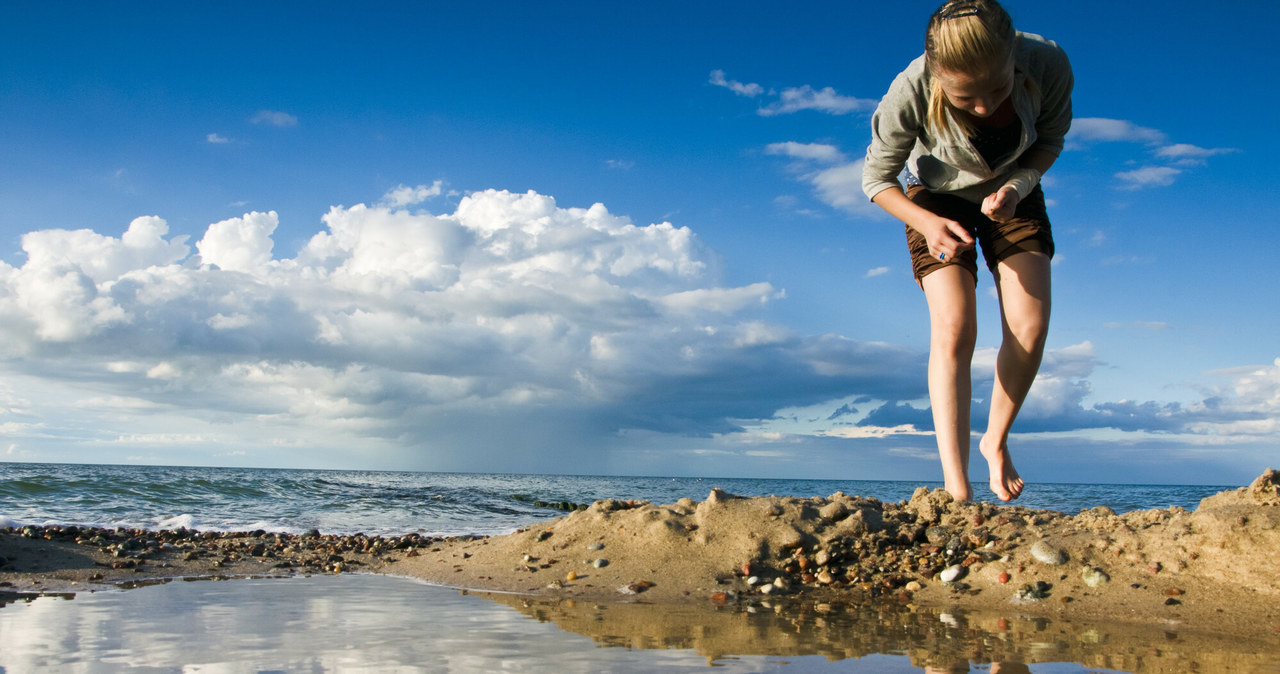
1001	204
946	237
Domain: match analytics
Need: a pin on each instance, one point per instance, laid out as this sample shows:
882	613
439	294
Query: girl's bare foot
960	492
1005	481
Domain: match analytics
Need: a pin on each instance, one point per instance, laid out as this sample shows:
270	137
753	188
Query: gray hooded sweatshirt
950	164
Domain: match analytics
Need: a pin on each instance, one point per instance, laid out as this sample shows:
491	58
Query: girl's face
979	95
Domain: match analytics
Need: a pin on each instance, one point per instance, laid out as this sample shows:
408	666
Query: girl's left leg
1024	289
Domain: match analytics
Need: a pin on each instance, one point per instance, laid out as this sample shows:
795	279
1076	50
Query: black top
994	144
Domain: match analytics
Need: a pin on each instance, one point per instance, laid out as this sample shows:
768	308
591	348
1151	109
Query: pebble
596	546
1029	593
833	511
600	563
939	534
1048	554
1094	577
951	573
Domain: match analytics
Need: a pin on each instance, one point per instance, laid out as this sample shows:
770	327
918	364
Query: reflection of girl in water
976	121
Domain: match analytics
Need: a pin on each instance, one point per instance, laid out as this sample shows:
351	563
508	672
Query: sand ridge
1215	567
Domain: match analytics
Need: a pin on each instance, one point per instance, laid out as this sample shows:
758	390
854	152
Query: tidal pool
386	624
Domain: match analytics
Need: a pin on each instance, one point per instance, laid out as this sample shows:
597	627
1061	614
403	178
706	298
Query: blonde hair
966	36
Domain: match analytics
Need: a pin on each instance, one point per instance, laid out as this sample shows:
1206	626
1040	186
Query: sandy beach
1212	570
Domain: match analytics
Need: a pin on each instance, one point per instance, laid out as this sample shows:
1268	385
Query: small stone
596	546
719	598
825	577
914	586
1029	593
572	576
1173	592
753	580
833	511
1171	602
1094	577
938	535
766	589
1003	578
600	563
951	573
1048	554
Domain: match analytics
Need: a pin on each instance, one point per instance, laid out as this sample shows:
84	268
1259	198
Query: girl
975	121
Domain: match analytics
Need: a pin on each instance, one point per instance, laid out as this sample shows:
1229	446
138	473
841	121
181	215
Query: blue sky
602	238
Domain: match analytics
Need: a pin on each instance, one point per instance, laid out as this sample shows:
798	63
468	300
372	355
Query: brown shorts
1028	230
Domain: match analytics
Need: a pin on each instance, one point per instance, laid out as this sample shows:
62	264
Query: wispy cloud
742	89
819	152
796	99
217	139
1191	154
835	180
1089	131
1148	176
1098	129
826	100
403	195
274	118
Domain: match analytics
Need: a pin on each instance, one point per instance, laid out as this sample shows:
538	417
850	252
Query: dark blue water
397	503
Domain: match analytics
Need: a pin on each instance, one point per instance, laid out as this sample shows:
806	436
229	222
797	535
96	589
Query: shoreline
1211	570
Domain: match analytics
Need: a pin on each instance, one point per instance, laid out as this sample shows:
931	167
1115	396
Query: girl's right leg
953	331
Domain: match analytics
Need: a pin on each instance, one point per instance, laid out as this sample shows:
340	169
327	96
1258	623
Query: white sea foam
177	522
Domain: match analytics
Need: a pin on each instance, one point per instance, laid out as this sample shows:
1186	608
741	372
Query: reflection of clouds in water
343	623
380	623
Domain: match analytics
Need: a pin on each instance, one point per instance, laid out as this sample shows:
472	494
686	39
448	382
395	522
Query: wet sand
1213	571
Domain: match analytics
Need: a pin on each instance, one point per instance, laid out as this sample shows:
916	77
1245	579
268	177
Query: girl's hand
947	238
1001	204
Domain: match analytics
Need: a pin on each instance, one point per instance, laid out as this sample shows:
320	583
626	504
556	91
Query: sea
356	622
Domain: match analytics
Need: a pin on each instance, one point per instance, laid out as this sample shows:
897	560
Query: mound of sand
1216	567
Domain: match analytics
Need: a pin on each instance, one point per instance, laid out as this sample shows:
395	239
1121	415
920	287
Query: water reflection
933	640
376	623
